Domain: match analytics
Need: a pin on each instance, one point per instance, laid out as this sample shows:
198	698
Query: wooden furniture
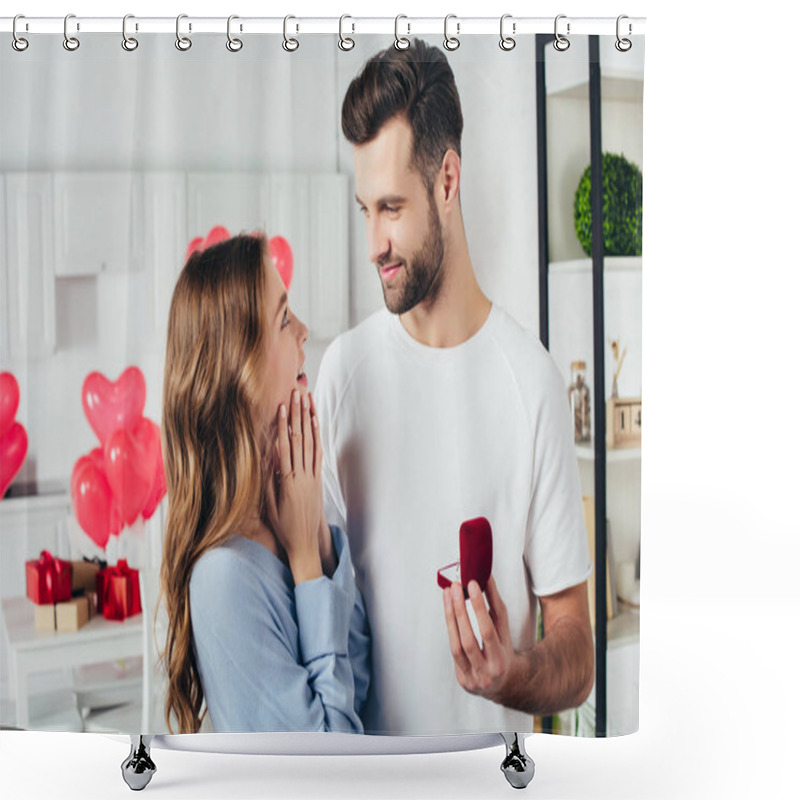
30	651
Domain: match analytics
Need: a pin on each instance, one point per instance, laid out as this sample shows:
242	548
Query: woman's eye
285	320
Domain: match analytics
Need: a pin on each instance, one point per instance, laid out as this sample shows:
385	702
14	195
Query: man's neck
458	311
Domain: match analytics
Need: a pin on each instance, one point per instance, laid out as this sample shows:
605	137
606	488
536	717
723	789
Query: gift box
84	574
48	580
92	598
118	594
73	614
44	617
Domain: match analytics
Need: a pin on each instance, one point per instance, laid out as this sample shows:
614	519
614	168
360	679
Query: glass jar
579	403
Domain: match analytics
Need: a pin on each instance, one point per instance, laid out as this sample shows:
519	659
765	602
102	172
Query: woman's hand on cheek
326	549
295	506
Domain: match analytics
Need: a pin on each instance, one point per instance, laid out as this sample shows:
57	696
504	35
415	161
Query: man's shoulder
353	347
521	346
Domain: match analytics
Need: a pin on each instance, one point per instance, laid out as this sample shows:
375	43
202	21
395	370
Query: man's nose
377	241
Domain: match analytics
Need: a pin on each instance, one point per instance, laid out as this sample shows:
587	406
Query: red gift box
48	580
118	594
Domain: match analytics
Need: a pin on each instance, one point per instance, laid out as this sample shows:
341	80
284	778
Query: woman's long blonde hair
213	388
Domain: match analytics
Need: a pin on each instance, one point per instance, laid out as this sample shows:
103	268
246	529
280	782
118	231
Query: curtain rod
349	25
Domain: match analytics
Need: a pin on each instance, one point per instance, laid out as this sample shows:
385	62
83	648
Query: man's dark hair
417	84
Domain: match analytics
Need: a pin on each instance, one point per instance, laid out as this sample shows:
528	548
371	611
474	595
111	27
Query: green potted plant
622	207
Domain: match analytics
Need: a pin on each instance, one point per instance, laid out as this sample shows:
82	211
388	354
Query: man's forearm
556	674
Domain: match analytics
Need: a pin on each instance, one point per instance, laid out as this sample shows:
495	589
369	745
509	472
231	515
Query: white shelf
621	88
624	628
610	264
621	74
586	453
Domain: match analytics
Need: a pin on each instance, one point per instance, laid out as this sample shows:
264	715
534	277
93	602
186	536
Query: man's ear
451	177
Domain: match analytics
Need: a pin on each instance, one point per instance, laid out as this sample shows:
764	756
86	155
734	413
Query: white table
33	651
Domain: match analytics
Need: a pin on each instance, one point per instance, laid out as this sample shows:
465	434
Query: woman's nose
302	337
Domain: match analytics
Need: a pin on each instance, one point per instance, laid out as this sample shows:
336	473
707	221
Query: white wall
257	110
264	110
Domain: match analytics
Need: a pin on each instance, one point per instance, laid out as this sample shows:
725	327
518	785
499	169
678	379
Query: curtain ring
561	43
129	43
345	42
70	42
623	45
233	44
289	44
507	42
451	42
18	43
183	43
400	42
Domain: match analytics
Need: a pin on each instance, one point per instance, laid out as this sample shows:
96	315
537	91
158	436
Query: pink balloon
13	447
115	522
9	401
94	457
130	466
159	487
281	254
99	458
195	244
113	406
76	469
91	499
217	234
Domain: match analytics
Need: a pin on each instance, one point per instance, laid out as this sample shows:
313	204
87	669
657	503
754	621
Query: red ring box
475	549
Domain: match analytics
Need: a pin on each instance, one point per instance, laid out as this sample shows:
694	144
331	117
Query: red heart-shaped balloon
91	499
130	466
13	447
159	487
113	406
219	233
195	244
9	401
95	457
115	521
281	254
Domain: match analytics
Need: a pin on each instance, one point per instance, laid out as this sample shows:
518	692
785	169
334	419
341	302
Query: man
439	409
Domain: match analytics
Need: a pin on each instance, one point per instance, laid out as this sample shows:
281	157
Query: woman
266	624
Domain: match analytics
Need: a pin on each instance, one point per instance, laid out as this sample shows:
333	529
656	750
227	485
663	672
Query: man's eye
392	209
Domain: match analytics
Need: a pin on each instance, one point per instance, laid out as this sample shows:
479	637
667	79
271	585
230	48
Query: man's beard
422	271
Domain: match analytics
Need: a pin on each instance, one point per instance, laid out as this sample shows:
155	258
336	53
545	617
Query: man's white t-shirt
416	440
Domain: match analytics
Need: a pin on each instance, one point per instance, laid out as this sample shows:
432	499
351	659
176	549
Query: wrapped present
48	580
72	614
84	574
44	617
118	591
92	598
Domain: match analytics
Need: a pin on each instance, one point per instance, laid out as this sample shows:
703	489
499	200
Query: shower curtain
120	165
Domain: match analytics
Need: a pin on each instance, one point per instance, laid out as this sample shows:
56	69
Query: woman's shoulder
238	578
226	560
239	564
